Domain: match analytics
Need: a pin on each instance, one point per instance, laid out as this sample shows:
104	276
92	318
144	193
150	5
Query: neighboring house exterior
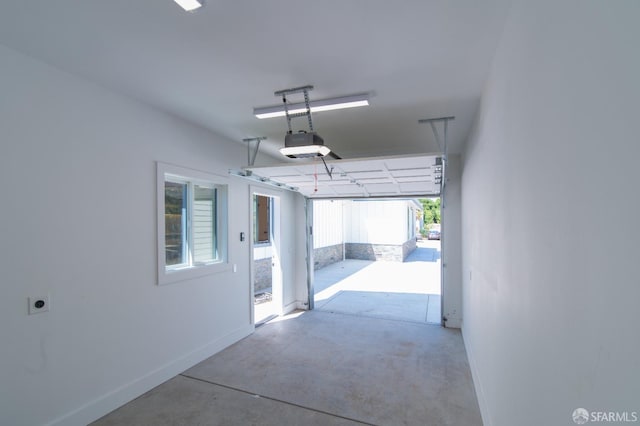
368	230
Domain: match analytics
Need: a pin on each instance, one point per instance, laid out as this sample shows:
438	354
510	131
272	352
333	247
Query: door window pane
262	223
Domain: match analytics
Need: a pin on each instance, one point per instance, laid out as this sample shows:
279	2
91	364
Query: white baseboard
125	393
293	306
477	383
289	308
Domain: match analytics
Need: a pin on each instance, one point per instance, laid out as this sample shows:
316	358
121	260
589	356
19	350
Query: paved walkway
408	291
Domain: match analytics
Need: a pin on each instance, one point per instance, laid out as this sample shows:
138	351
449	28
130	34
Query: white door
266	271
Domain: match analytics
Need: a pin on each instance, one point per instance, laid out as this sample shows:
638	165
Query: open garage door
378	177
393	177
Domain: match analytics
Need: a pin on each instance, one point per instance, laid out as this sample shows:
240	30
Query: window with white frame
192	223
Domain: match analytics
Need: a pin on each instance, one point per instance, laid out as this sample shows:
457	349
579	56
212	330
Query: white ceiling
399	176
418	58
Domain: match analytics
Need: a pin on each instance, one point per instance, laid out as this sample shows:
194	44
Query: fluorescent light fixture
305	151
351	101
189	5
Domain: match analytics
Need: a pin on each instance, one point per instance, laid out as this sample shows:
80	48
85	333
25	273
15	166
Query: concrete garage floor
408	291
320	368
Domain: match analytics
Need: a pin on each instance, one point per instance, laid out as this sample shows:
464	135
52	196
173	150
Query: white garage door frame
373	178
309	243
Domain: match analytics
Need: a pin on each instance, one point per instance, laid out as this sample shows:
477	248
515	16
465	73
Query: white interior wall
78	222
550	216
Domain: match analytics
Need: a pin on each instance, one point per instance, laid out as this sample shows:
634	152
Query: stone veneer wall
408	247
386	252
325	256
262	274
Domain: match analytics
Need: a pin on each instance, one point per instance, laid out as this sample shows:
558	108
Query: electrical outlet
38	304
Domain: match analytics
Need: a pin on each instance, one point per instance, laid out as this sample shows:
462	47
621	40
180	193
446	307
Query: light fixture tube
351	101
189	5
306	150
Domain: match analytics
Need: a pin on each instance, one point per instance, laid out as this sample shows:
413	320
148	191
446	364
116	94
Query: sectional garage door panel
416	175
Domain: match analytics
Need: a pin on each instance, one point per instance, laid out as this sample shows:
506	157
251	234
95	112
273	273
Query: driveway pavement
407	291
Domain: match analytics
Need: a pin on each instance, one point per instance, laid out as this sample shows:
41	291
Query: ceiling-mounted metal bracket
442	144
305	91
253	144
329	172
293	90
432	121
